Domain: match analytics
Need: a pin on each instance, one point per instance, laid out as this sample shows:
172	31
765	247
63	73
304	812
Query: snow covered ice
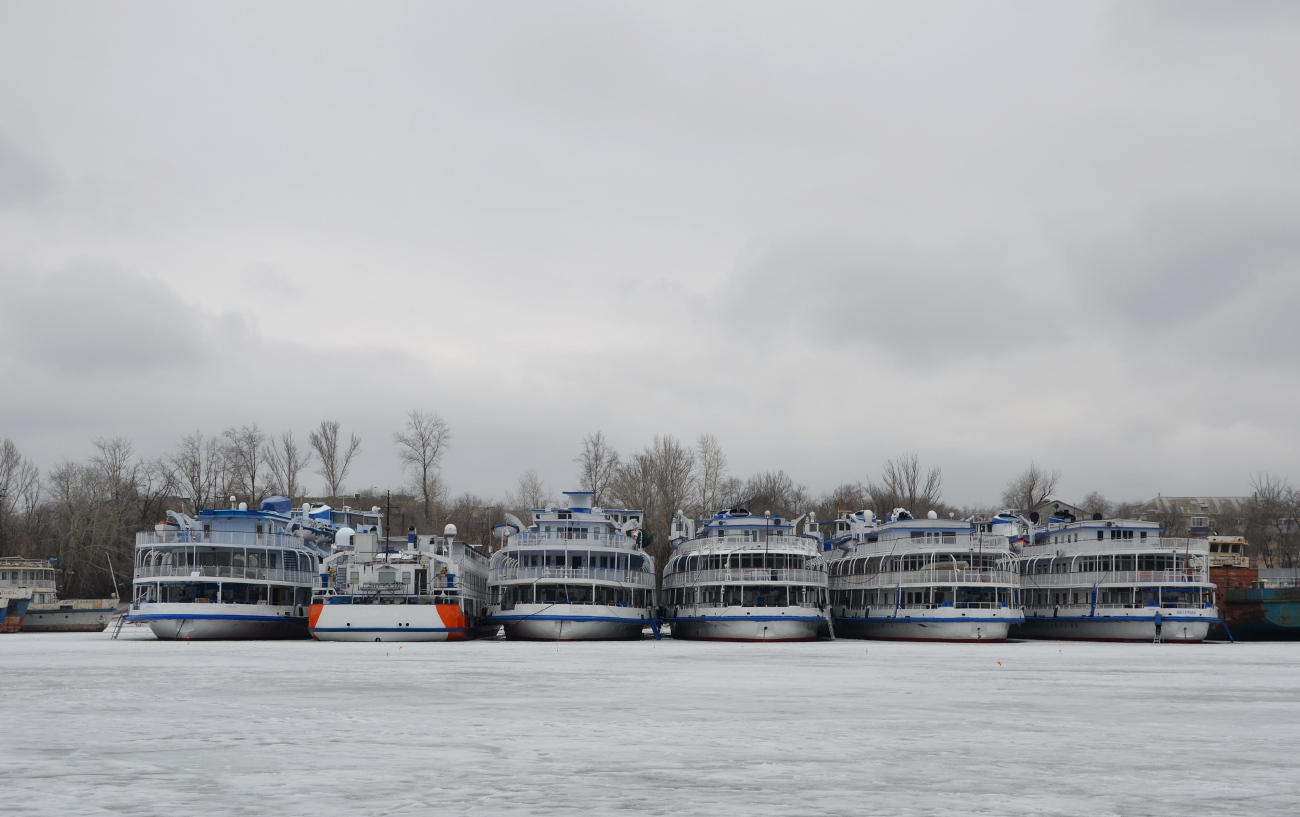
95	726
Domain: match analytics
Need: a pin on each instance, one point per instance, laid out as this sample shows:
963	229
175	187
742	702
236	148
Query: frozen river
93	726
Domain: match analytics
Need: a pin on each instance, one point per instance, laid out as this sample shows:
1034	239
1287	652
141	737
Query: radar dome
932	515
449	531
343	537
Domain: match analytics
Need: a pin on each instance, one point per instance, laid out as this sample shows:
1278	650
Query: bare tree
598	465
1030	489
775	491
335	459
20	485
420	447
286	460
1271	526
904	484
245	451
200	470
712	480
1096	503
846	498
530	494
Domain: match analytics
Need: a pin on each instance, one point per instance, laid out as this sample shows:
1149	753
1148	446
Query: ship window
1101	535
1144	534
636	561
387	576
577	560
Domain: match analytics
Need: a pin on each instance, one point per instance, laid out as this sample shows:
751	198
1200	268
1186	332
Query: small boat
1115	580
740	577
577	573
929	579
433	589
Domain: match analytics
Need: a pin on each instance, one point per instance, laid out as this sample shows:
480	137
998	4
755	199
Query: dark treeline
85	513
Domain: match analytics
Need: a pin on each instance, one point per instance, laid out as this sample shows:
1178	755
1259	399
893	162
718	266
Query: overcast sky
827	233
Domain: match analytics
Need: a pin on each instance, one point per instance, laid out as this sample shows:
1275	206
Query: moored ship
433	589
236	573
740	577
1115	580
930	579
576	573
22	582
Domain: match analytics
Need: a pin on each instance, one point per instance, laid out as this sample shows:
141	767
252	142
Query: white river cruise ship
1115	580
926	579
740	577
577	573
236	573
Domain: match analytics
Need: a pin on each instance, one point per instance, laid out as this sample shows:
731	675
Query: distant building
1201	513
1056	509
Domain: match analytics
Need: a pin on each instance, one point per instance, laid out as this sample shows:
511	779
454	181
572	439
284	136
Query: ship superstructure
576	573
741	577
926	579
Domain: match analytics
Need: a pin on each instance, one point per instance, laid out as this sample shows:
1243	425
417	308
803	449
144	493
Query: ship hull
747	624
571	622
1262	614
944	624
1185	629
395	622
12	612
79	616
222	622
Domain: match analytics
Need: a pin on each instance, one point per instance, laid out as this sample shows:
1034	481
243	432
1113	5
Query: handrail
601	574
1126	577
554	539
1198	547
752	575
278	539
737	543
270	574
944	578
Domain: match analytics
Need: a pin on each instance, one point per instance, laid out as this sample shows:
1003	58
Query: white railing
218	537
598	574
1069	608
41	583
927	577
1198	547
563	539
738	543
1125	577
749	575
265	574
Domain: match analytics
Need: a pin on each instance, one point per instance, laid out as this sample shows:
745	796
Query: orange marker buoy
999	663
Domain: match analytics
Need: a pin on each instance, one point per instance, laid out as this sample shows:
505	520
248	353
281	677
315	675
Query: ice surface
95	726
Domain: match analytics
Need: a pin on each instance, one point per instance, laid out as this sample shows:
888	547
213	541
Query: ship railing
43	584
569	539
266	574
600	574
1169	605
734	543
753	575
957	605
857	581
716	605
1126	577
1198	547
278	539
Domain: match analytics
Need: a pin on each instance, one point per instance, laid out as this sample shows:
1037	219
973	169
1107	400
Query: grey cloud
25	177
922	304
94	317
